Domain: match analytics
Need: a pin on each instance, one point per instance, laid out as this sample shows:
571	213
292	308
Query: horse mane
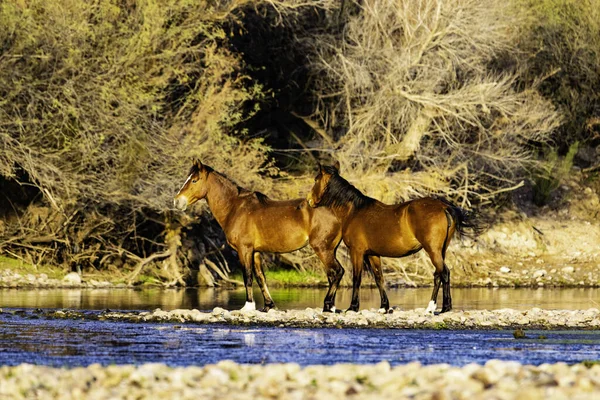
262	198
339	192
195	169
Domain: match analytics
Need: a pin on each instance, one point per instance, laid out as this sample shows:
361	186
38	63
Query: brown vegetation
103	104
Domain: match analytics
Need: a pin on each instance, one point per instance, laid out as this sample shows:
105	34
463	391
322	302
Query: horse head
321	181
194	188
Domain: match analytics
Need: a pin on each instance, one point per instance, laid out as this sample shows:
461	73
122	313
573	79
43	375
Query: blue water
83	342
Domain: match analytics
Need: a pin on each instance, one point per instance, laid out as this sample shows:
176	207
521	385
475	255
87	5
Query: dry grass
415	88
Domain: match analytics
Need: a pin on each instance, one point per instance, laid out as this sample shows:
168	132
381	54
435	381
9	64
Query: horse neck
221	197
343	212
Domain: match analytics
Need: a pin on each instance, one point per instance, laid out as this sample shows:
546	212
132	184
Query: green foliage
551	172
590	363
563	44
22	268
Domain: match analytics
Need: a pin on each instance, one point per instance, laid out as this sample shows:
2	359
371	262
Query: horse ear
336	165
320	167
198	163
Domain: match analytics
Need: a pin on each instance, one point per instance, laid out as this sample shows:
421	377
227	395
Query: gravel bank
228	380
14	279
534	318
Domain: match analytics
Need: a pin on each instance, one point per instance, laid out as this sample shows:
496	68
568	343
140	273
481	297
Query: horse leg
246	258
262	283
438	263
375	262
335	272
357	258
447	298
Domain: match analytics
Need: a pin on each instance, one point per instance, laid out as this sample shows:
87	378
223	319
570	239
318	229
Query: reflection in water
249	339
292	298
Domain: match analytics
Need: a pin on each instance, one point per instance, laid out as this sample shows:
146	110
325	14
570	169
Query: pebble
539	273
72	278
495	379
534	318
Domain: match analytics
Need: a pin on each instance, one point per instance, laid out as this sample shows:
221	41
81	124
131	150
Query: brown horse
372	229
253	223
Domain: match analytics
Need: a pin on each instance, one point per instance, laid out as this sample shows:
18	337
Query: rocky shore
228	380
534	318
503	276
14	279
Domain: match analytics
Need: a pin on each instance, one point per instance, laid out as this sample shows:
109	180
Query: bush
425	97
551	172
562	42
103	106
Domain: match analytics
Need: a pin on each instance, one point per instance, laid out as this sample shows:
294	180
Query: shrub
425	97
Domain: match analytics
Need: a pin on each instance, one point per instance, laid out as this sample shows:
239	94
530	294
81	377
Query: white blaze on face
431	307
184	183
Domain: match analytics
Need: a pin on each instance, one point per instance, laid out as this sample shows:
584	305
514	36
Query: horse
254	223
372	229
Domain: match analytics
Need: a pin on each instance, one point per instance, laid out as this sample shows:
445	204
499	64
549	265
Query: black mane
339	192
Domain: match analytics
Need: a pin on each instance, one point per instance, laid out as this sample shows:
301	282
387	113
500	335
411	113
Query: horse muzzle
180	203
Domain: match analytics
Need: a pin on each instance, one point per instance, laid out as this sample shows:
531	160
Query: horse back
399	229
273	226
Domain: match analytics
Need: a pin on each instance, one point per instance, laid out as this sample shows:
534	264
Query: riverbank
495	379
534	318
525	246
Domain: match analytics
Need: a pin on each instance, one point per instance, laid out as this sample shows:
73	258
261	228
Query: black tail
469	223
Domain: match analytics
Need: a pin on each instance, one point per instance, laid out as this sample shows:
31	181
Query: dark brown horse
253	223
372	229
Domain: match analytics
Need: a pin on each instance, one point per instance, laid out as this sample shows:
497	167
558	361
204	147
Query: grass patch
289	277
551	173
147	280
24	268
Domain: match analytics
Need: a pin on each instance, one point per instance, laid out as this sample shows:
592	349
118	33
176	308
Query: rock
568	270
72	278
504	270
539	273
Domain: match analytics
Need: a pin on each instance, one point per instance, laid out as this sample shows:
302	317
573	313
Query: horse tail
469	223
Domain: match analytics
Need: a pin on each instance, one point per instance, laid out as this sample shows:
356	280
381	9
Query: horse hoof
430	308
446	309
249	306
330	310
384	310
267	308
